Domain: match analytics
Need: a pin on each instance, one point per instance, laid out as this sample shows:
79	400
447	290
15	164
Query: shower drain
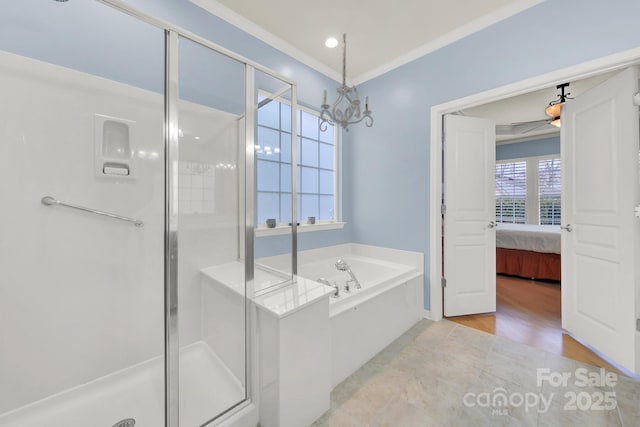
129	422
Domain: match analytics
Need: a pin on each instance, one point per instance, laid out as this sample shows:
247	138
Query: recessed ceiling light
331	42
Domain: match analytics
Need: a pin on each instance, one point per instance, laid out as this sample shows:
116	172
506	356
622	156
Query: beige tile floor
445	374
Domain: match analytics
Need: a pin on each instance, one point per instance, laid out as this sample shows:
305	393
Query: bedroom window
316	165
528	190
549	191
511	192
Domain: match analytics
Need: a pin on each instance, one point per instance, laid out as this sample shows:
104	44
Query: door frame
575	72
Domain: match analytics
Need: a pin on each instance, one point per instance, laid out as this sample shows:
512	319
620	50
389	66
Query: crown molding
250	27
451	37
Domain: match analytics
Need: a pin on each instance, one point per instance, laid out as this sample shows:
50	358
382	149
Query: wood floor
528	312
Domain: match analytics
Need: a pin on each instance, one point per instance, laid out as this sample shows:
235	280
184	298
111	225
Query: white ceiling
381	35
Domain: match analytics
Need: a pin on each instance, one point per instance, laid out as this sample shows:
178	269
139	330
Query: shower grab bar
50	201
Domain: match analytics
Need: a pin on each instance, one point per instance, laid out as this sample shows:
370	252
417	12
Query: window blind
511	192
549	174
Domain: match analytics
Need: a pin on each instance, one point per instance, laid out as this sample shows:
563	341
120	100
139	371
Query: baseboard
427	314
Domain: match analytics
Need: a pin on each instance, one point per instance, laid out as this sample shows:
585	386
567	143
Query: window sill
302	228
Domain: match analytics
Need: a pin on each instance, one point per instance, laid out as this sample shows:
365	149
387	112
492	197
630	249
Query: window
549	191
316	165
511	192
528	191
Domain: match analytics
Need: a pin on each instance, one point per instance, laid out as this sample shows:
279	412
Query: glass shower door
212	315
274	154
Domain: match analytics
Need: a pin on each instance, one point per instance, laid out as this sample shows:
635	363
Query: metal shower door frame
171	230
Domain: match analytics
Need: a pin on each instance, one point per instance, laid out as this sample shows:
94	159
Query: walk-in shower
127	167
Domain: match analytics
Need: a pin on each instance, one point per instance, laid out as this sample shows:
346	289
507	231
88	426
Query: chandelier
346	110
555	106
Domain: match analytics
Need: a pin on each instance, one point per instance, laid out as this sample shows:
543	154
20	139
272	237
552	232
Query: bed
527	250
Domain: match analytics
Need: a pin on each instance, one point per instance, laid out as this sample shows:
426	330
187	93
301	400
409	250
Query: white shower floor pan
207	388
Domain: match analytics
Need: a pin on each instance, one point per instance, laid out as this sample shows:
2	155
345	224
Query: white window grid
532	195
284	214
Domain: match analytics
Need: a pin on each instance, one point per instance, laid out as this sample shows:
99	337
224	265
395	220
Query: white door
469	220
599	149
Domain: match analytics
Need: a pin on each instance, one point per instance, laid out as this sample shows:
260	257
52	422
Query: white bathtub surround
295	364
281	262
375	275
138	392
364	321
293	337
365	328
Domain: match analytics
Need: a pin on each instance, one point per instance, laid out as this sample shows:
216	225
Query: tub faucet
324	281
343	266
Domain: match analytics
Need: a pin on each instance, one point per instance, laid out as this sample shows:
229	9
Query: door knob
492	224
566	227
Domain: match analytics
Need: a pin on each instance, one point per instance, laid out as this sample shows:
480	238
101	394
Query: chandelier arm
340	117
366	116
335	105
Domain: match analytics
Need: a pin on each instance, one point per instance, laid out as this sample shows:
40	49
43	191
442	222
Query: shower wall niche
115	152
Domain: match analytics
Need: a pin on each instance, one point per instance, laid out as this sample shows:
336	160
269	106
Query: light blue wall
387	166
533	148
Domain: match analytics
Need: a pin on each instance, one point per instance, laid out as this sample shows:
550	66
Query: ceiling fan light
555	122
553	110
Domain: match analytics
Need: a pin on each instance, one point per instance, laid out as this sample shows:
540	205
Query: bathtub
364	321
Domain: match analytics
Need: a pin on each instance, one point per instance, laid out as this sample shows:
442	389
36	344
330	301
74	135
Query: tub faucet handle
336	294
347	286
324	281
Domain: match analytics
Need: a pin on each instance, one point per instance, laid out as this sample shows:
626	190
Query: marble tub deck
422	378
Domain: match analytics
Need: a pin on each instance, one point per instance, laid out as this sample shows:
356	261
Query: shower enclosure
127	152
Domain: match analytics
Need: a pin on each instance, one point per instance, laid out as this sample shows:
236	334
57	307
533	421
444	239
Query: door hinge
638	325
443	209
637	211
443	282
636	99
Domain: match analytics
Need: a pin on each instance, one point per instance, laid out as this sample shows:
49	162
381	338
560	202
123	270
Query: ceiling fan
521	128
552	110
